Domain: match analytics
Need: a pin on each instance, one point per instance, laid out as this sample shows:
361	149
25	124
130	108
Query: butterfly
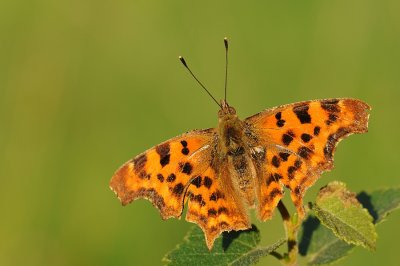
220	173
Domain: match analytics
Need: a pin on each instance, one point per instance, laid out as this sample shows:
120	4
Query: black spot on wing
284	156
297	190
178	189
304	152
139	163
199	199
306	137
280	123
277	176
197	181
291	170
144	175
163	151
274	193
207	182
164	160
331	105
275	161
213	197
331	118
302	114
298	163
186	168
222	210
317	129
269	180
185	151
287	137
184	143
273	178
212	212
160	177
216	195
171	178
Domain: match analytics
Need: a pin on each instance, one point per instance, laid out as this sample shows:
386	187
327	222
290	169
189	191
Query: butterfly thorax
230	131
235	152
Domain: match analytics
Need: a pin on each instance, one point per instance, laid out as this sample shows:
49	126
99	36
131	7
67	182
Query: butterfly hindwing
214	205
299	141
163	173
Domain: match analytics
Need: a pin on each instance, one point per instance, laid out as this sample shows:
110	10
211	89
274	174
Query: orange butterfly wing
163	173
300	140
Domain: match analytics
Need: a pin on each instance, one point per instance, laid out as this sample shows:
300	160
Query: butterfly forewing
299	141
163	173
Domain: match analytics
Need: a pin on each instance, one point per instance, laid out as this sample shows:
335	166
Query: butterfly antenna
198	81
226	64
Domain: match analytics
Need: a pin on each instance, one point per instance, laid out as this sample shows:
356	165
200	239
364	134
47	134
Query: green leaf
234	248
320	245
338	209
380	203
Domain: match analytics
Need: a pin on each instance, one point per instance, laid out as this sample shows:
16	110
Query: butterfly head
226	110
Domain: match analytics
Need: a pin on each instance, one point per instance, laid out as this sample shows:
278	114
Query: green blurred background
86	85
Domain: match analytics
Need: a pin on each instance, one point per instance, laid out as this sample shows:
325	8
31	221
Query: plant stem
291	224
277	255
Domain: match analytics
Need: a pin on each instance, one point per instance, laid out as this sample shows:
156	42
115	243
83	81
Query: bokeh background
87	85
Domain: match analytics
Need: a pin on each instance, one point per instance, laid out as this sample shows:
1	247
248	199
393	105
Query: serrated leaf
338	209
319	244
234	248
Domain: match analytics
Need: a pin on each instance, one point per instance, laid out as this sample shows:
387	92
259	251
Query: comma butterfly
221	172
